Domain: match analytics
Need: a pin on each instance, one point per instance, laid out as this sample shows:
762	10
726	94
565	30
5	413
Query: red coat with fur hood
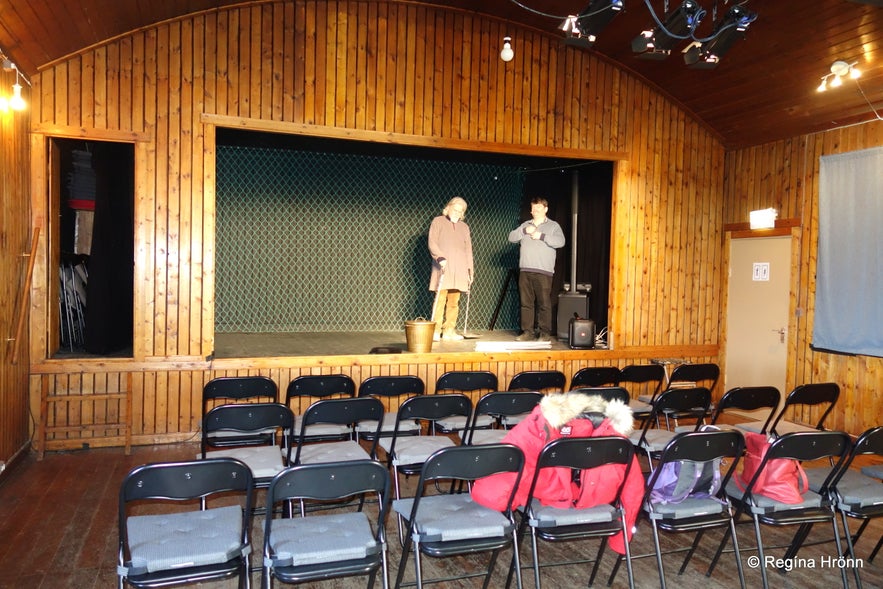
558	416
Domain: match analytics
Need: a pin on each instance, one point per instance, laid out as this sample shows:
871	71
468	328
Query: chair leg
760	555
536	558
839	548
403	561
850	545
798	540
875	550
658	549
490	568
597	560
691	551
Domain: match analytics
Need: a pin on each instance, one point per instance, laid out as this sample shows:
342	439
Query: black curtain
110	290
595	187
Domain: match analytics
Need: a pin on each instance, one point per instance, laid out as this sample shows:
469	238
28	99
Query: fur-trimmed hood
559	408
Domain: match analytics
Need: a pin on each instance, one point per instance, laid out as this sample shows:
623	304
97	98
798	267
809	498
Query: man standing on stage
539	237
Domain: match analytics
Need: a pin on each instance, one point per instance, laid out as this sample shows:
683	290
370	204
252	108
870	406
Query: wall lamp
679	24
839	70
584	29
731	28
16	101
507	54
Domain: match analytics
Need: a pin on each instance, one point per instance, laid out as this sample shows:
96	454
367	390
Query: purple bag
684	479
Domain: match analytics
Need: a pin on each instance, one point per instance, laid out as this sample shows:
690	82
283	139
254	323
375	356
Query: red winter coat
555	486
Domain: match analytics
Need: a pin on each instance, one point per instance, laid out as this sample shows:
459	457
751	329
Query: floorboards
58	530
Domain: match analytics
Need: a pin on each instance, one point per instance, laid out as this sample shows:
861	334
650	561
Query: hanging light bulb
836	82
507	54
16	102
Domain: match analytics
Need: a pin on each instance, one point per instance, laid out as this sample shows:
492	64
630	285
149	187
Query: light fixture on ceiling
583	30
707	54
507	54
680	24
839	70
16	101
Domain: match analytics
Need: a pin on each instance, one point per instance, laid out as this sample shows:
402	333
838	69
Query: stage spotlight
584	29
678	26
730	29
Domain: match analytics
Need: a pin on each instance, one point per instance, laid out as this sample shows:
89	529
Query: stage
269	345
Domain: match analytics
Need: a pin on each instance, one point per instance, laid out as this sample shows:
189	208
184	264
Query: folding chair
595	376
389	389
816	507
540	381
501	406
182	547
695	513
653	440
646	376
250	422
857	495
822	395
233	389
747	399
703	375
473	384
560	524
317	547
346	414
453	524
310	387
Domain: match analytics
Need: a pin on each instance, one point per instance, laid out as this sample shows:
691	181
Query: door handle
781	332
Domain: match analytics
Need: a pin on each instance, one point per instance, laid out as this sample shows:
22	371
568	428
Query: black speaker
581	334
570	305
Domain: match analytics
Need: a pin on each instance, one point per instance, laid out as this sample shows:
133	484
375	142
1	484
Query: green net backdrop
326	242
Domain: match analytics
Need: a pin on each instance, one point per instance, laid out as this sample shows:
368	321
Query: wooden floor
58	529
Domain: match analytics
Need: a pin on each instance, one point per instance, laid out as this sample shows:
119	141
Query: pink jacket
557	416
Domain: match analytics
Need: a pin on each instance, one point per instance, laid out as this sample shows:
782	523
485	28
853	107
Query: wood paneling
785	175
364	70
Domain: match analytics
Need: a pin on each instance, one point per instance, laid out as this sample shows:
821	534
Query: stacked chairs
452	524
178	547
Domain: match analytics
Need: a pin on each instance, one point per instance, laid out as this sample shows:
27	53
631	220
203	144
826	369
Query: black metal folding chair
748	399
595	376
175	547
500	406
471	383
391	389
452	524
236	389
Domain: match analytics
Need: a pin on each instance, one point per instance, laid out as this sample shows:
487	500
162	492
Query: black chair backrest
469	463
244	419
694	401
329	480
342	412
181	481
595	376
320	385
702	446
641	374
705	374
607	393
749	399
819	393
508	403
582	453
391	386
237	388
466	381
434	407
538	380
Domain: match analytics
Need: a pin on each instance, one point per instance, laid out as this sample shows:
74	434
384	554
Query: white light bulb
507	54
16	102
836	82
823	86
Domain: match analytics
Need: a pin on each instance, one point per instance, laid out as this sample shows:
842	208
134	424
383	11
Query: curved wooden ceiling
763	90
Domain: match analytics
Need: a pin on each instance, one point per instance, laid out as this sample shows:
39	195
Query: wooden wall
15	247
368	70
785	175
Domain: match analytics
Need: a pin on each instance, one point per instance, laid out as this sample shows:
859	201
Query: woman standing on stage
450	246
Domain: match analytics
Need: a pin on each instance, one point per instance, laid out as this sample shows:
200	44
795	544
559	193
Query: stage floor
268	345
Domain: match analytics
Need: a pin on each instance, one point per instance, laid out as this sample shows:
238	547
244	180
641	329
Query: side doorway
758	306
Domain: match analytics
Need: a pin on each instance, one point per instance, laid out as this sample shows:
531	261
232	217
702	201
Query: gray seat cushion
873	471
856	490
488	436
444	518
369	426
264	461
458	422
332	452
178	540
322	538
415	449
656	440
546	516
689	507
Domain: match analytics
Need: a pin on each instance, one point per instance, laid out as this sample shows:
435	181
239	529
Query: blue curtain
849	277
